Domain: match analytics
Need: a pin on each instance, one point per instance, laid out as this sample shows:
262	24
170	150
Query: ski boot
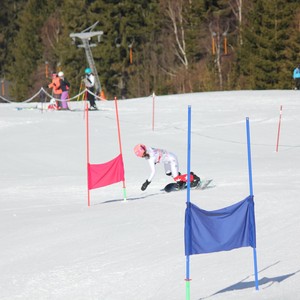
181	185
196	181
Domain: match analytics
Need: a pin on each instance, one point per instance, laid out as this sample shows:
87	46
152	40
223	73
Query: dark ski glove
145	185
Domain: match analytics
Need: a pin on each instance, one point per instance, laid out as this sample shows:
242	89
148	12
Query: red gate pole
153	108
120	143
278	132
87	148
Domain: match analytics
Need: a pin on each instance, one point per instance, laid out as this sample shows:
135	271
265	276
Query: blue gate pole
188	200
251	194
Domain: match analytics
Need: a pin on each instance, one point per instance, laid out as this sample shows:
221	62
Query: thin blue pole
249	157
188	200
189	155
251	194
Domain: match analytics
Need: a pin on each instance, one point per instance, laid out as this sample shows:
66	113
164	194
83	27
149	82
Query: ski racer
170	161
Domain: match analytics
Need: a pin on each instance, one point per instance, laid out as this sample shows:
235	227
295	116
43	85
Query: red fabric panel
100	175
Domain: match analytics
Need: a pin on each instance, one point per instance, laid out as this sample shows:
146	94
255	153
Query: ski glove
145	185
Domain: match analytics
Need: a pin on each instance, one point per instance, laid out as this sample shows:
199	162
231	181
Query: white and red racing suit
169	160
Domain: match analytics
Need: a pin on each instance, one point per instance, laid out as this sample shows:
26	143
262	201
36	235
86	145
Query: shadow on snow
241	285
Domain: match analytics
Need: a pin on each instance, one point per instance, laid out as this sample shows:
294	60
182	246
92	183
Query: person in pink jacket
65	86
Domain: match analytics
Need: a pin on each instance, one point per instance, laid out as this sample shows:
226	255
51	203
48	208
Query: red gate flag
100	175
220	230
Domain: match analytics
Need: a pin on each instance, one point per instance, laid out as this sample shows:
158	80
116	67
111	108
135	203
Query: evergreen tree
221	24
264	59
128	26
138	52
4	34
293	41
69	56
26	49
8	29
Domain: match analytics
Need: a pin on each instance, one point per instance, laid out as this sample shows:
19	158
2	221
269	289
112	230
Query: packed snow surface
54	246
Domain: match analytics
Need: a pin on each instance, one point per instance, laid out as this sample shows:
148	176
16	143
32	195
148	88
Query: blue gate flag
219	230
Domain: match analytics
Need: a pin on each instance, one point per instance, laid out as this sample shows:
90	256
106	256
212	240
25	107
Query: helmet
60	74
87	71
139	150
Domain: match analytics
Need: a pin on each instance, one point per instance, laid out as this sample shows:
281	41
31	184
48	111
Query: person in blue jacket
296	76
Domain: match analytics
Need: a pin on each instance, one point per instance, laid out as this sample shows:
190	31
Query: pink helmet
139	150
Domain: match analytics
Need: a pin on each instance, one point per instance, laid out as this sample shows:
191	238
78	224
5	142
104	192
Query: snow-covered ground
53	246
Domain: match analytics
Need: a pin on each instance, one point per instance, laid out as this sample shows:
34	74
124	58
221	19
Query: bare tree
237	7
51	32
219	44
174	11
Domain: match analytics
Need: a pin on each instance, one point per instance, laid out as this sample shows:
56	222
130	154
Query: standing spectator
65	86
296	76
56	90
89	82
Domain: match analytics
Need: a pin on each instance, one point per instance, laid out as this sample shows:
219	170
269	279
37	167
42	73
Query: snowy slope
53	246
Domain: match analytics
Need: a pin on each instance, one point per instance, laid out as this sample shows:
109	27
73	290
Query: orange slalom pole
46	69
120	143
130	55
213	47
225	45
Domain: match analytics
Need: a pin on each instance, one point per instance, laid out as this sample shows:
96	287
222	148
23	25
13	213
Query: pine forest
161	46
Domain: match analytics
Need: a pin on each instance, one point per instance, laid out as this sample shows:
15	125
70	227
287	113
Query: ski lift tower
86	36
